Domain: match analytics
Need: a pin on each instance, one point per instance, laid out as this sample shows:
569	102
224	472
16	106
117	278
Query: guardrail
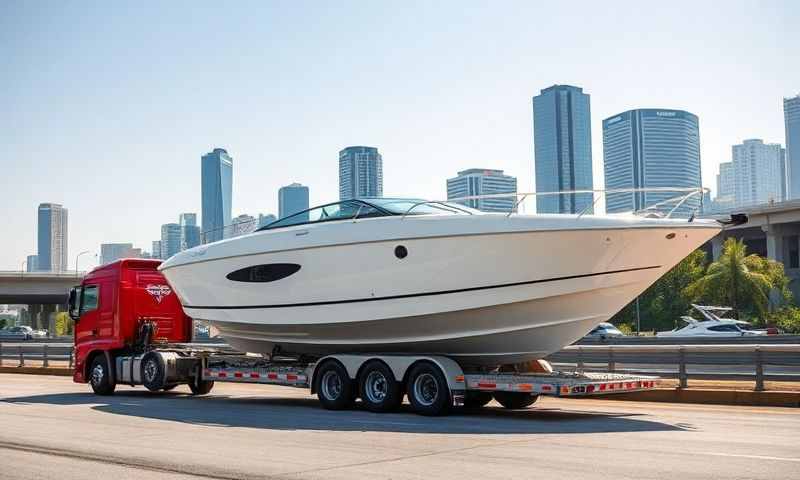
756	363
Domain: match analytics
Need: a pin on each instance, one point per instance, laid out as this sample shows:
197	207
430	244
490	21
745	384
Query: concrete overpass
44	292
773	231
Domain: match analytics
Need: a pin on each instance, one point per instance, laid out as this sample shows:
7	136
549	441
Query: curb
57	371
770	398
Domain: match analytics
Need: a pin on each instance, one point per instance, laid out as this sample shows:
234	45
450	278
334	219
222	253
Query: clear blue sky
107	109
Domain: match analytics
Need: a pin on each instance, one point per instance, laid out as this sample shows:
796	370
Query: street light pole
76	260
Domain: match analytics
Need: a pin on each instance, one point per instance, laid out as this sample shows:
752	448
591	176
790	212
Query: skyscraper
726	188
32	263
52	238
791	116
360	173
216	191
190	232
562	136
292	199
265	219
758	172
648	148
111	252
156	249
170	240
480	181
243	224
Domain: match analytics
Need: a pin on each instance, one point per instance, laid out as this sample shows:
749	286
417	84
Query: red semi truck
130	329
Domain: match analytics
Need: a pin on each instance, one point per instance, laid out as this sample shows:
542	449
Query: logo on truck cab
158	291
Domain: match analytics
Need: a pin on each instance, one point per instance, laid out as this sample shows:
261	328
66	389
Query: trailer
130	329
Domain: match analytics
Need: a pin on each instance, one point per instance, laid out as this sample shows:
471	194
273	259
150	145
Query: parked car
605	330
21	332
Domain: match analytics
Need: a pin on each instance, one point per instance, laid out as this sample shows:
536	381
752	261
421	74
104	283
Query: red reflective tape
547	388
291	377
486	385
602	386
238	374
254	375
525	387
222	374
272	376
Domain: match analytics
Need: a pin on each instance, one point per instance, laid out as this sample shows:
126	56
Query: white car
713	325
21	332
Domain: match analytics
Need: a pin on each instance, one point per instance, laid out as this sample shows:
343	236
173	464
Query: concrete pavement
54	428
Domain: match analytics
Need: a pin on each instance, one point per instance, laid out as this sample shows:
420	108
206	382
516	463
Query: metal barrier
757	363
19	352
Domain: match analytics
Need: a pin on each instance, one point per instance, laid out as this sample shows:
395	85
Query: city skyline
261	104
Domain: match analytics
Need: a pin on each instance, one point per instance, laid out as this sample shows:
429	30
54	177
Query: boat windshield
418	206
367	208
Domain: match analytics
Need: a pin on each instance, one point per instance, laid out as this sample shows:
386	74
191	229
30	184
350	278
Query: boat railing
665	208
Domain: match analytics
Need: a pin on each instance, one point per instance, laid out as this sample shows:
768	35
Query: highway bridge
44	292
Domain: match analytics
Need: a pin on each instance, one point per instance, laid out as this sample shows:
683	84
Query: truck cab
109	308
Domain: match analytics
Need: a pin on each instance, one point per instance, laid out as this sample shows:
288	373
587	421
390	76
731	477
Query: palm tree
735	279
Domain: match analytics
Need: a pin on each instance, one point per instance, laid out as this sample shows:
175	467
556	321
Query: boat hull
488	298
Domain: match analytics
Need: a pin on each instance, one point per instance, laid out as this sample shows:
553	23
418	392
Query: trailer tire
100	378
200	387
152	372
476	399
515	400
427	389
378	388
334	387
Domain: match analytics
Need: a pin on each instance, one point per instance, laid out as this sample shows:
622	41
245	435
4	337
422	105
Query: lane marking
753	457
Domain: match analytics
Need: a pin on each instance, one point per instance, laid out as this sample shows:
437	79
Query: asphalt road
52	428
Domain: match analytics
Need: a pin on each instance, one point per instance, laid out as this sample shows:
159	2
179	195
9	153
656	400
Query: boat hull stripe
412	295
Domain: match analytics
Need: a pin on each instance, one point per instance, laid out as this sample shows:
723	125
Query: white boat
399	275
713	325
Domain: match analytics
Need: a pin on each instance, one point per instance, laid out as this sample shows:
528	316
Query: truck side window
89	297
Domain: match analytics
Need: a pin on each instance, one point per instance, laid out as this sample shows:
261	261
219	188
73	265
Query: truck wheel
515	400
152	372
200	387
100	376
378	388
334	388
477	399
427	389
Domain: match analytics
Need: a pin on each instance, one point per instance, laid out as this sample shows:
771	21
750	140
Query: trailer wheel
100	376
334	388
378	388
199	386
152	372
427	389
515	400
477	399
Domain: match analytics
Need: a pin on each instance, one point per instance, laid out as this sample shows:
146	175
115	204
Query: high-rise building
651	148
791	116
758	172
360	173
190	231
480	181
292	199
216	191
562	137
265	219
111	252
156	249
32	263
242	225
726	188
52	238
170	240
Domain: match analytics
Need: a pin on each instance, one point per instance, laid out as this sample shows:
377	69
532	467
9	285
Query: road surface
52	428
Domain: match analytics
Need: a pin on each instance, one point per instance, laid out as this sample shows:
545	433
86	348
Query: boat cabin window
401	206
335	211
724	328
